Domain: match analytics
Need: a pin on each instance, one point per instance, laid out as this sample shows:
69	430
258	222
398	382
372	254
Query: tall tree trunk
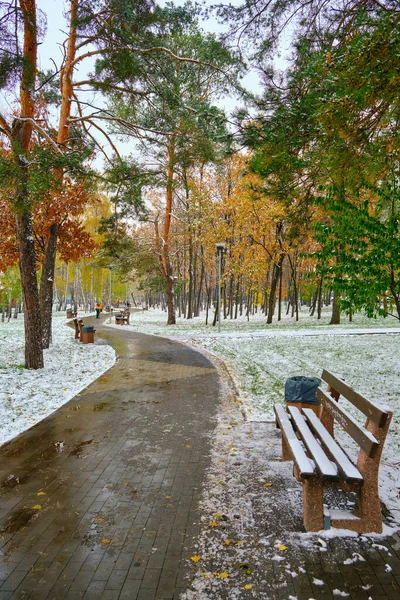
319	302
277	266
20	135
199	293
314	301
280	295
32	320
191	278
163	247
335	319
237	296
47	284
231	284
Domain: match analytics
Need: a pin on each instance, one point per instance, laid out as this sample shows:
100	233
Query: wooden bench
319	460
122	318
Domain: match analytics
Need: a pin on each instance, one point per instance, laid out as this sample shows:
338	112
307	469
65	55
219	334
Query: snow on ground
27	397
249	490
261	357
250	543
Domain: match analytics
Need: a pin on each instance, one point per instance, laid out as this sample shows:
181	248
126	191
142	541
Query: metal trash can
87	336
300	391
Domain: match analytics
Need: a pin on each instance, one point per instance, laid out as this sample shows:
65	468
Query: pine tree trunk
27	266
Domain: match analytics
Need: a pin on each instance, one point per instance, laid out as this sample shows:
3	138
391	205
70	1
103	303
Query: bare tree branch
41	130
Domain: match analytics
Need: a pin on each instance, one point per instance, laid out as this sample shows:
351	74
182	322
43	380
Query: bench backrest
370	410
370	438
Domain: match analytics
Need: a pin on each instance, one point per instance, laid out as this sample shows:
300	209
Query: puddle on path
18	520
78	450
101	406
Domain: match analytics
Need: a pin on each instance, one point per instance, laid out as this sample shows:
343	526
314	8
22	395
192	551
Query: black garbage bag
302	389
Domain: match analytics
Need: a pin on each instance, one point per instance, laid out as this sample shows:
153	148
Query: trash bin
87	336
300	391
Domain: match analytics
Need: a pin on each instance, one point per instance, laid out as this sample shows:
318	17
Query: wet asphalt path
99	499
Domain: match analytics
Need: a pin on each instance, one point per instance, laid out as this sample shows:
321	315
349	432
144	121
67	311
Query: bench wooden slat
322	461
303	463
349	472
370	410
364	438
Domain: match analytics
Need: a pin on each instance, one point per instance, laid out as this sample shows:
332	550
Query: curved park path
99	499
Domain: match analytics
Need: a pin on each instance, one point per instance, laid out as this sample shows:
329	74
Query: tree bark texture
167	271
20	137
276	269
335	319
30	293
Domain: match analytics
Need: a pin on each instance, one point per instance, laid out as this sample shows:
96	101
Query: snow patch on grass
27	397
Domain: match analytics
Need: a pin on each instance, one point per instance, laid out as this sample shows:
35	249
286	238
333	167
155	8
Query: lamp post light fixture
220	248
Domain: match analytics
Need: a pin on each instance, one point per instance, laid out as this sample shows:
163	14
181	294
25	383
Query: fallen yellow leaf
105	541
239	543
213	524
224	575
267	484
37	507
99	519
282	547
168	497
248	586
41	494
195	559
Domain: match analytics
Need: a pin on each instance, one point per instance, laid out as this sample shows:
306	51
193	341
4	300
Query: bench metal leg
313	505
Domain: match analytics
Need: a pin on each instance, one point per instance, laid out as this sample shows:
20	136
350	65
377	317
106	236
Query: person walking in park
99	308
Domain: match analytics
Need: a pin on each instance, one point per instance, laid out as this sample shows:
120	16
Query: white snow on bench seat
346	467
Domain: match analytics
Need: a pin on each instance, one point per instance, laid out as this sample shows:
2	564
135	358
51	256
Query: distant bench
123	317
319	460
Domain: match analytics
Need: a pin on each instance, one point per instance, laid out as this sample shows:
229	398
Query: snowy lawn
27	397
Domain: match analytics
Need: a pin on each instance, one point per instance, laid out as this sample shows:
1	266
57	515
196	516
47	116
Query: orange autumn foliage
65	207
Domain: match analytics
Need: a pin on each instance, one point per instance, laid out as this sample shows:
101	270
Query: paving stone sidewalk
98	501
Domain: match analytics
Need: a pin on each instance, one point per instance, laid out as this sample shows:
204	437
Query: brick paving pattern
99	499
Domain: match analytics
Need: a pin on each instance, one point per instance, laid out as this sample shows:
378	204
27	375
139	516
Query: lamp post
111	266
220	247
